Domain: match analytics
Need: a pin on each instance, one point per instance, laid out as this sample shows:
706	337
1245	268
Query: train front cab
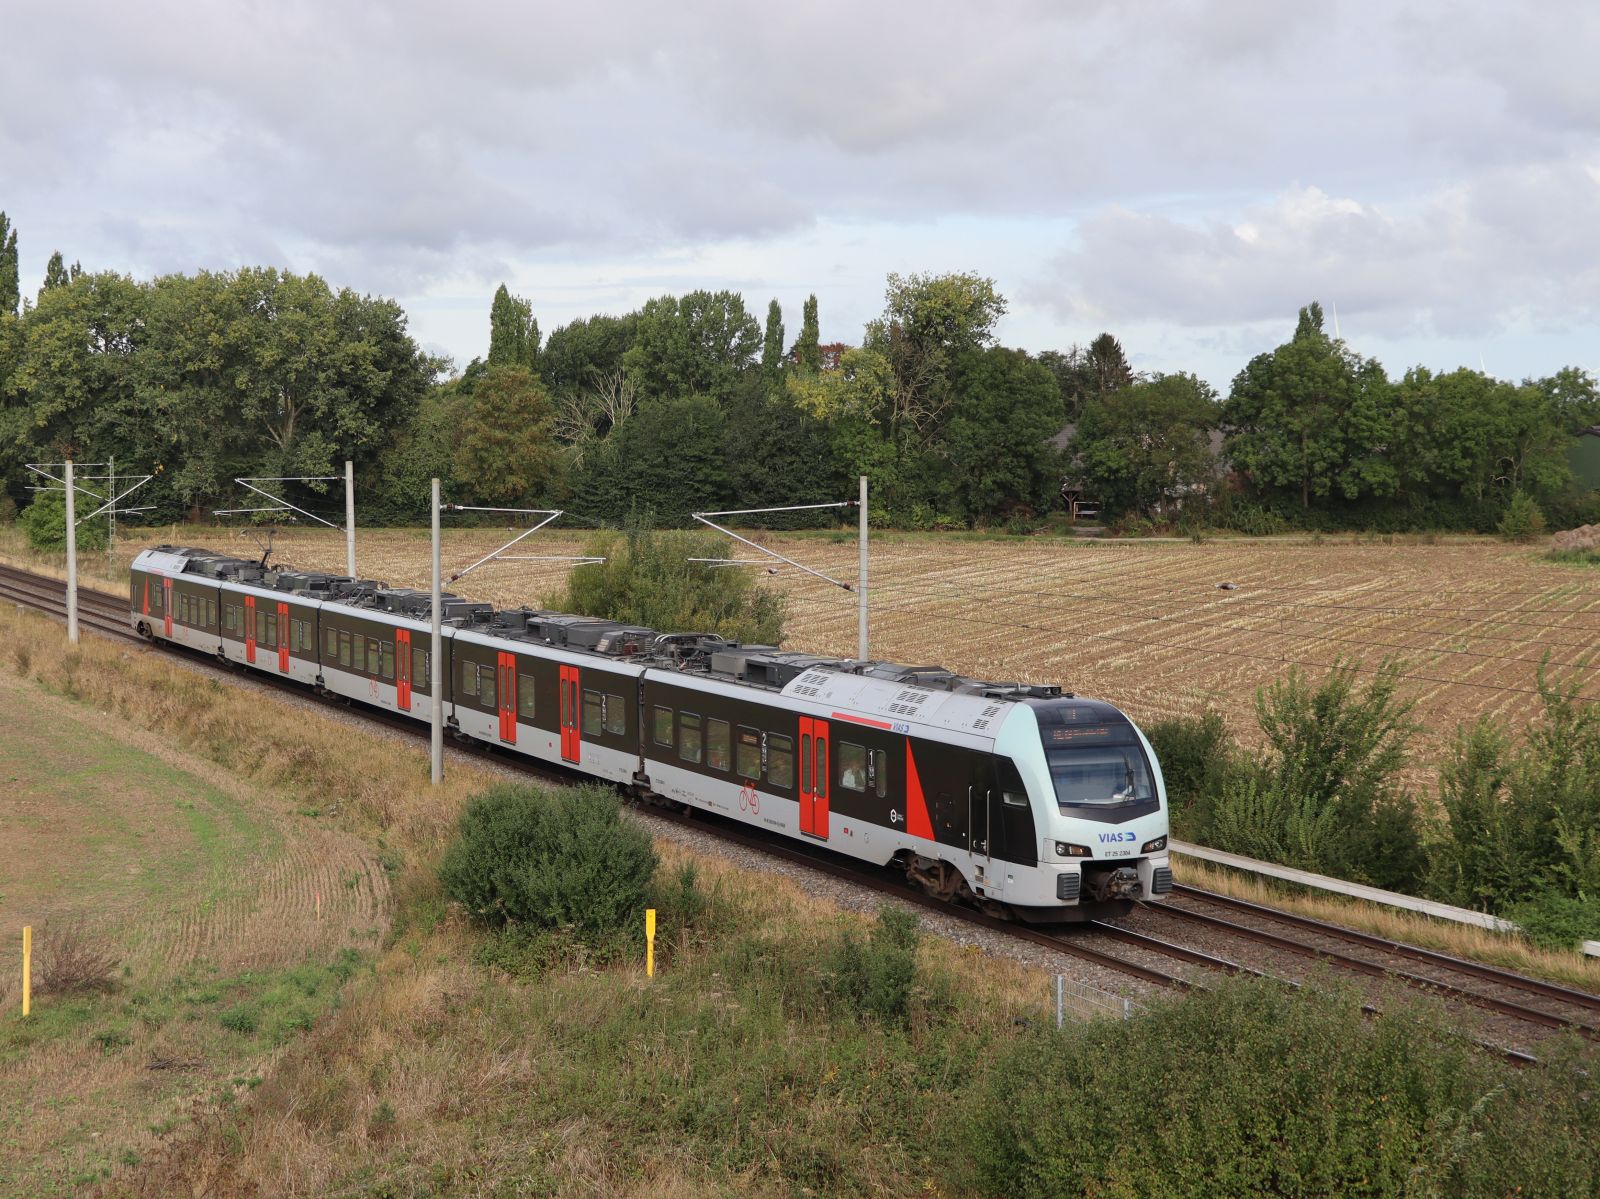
1100	802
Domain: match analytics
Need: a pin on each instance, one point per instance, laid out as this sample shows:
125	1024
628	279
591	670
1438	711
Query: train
1020	799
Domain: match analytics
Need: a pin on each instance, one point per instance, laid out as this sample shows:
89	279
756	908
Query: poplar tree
513	333
10	280
808	350
55	273
772	344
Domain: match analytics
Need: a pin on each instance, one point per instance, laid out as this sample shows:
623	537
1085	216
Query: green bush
1254	1090
1197	760
1325	795
551	858
1556	921
1523	521
647	579
45	523
877	976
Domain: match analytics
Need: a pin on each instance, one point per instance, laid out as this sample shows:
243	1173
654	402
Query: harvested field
1143	623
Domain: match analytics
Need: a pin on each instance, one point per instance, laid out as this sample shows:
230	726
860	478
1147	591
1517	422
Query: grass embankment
210	923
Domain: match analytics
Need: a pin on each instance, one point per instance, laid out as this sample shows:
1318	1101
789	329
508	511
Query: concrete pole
111	512
350	518
72	559
861	587
436	657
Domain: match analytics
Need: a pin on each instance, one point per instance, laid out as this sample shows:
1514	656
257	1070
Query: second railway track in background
1510	996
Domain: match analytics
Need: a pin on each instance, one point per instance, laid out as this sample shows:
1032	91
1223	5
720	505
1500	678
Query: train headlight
1063	850
1155	846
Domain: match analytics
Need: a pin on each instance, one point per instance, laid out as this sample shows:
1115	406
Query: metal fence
1079	1001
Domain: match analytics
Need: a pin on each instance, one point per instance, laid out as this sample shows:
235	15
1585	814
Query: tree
698	344
55	273
1312	418
772	343
1107	366
667	458
507	453
996	443
1148	443
588	348
926	321
10	279
807	353
513	333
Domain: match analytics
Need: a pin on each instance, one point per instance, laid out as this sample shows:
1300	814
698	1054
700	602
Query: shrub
647	579
242	1019
1279	1093
69	959
1556	921
45	523
1197	759
1325	795
1523	521
549	857
877	977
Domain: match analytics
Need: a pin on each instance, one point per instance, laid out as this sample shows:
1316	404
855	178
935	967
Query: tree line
692	403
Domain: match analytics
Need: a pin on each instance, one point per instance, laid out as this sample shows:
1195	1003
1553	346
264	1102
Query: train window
593	712
375	655
747	753
230	621
717	744
358	653
689	740
820	771
333	643
272	630
386	659
805	763
419	669
486	685
616	715
211	614
780	761
344	649
852	767
155	595
261	627
469	680
525	696
663	722
880	772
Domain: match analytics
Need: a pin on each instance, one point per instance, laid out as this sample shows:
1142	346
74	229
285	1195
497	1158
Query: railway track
1150	958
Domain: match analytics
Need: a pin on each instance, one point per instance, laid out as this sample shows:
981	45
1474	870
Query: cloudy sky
1184	175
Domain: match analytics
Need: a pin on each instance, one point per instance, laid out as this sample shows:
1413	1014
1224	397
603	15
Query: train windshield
1095	758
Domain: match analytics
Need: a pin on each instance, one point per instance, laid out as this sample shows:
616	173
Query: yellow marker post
27	968
650	942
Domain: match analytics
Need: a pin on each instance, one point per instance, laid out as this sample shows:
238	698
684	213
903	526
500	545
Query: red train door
166	602
250	628
283	637
814	777
402	669
571	732
506	689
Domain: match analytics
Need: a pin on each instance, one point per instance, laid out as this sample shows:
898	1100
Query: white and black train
997	793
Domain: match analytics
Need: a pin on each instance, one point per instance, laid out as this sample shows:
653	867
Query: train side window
486	686
358	653
690	746
155	595
717	744
230	618
525	696
374	654
386	660
272	630
1012	791
880	772
344	649
333	643
593	712
261	627
805	763
852	761
211	613
419	669
780	761
469	680
616	715
747	753
663	724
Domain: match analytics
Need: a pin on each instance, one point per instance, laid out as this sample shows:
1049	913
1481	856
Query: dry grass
1460	940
